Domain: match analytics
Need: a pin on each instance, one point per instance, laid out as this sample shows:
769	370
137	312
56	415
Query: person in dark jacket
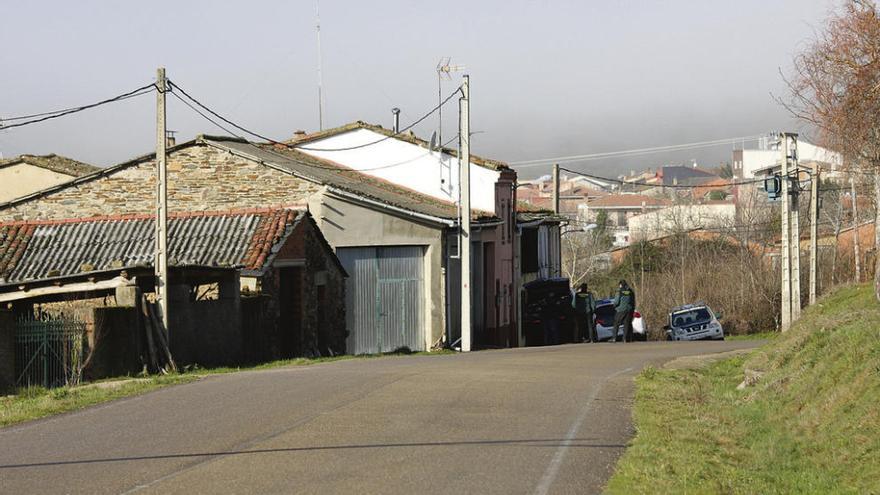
624	306
584	305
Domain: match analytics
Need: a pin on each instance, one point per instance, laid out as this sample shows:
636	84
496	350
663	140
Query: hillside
809	424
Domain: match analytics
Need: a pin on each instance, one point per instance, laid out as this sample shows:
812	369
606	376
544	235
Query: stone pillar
127	296
7	352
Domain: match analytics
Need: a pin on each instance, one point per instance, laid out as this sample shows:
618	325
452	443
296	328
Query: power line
668	186
40	117
631	152
293	146
231	133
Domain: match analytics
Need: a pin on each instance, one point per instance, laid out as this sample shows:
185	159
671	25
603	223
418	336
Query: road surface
531	421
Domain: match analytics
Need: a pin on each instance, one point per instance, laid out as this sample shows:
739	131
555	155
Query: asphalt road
531	421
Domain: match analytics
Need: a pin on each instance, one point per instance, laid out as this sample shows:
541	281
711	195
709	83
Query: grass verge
810	424
754	336
37	402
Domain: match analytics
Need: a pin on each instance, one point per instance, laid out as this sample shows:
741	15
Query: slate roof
58	248
311	168
344	178
53	162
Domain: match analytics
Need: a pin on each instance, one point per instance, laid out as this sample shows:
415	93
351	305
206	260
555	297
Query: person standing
584	305
624	306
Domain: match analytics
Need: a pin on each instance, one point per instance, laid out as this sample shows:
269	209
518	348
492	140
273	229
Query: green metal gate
49	350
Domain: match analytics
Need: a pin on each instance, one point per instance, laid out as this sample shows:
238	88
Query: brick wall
201	178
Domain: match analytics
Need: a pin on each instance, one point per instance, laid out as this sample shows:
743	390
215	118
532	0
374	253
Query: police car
693	322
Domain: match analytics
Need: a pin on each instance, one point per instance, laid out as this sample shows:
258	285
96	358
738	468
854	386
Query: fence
49	350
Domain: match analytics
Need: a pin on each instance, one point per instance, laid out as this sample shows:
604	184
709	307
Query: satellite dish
432	146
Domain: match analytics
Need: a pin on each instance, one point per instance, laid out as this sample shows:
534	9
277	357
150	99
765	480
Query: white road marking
553	468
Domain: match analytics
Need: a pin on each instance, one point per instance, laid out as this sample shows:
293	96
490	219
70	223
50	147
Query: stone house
393	239
25	174
84	265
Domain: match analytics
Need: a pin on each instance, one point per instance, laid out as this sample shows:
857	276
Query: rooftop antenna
320	77
443	70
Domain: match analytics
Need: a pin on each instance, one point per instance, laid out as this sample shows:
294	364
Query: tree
724	170
836	88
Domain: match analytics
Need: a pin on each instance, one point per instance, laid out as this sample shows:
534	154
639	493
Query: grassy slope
811	424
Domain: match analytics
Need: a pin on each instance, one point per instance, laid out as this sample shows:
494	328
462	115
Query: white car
693	322
605	322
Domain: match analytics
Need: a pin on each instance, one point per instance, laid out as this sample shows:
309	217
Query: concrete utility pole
814	230
856	247
786	236
556	188
161	258
464	191
795	233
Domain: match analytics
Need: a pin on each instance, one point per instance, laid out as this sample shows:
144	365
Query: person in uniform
624	306
584	305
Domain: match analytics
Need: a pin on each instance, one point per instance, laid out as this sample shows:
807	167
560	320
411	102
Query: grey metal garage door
384	297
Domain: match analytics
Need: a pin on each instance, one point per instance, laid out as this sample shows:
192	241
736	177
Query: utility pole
556	188
856	248
786	236
814	230
464	191
795	233
161	259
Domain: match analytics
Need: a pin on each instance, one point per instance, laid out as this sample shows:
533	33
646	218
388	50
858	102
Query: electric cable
232	133
294	146
668	186
41	117
632	152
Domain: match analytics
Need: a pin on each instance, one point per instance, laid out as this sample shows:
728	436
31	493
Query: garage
385	295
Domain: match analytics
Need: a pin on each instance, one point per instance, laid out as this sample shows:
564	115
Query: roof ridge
146	216
407	137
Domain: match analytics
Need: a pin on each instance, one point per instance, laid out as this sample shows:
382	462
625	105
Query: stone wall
323	292
201	177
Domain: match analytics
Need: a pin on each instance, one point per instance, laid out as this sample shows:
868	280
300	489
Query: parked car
605	322
545	300
693	322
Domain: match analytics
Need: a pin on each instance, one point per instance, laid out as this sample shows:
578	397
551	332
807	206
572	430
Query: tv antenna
443	71
320	76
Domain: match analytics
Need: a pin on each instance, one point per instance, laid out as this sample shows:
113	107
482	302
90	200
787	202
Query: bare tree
836	88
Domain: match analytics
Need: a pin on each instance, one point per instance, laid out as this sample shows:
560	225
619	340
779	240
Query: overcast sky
548	78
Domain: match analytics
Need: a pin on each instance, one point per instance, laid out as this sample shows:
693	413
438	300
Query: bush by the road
808	424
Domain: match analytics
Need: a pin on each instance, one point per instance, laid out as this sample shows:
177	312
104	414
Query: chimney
396	126
170	140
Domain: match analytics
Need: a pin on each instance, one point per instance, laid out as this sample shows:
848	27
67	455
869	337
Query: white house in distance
680	218
751	163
